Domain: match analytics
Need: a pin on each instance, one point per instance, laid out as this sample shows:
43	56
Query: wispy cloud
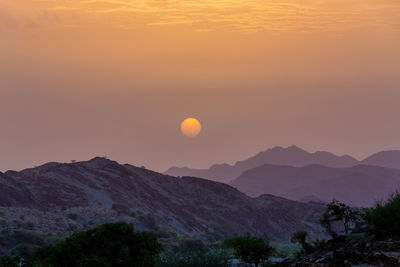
240	15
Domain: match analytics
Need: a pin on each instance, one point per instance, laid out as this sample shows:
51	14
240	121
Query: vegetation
191	245
212	258
286	249
337	211
250	249
383	219
117	244
300	237
113	244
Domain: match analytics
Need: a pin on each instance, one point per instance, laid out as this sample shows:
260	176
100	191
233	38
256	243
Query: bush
7	261
250	249
213	258
113	244
300	237
383	220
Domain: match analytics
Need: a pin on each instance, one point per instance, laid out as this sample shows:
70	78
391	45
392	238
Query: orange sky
116	78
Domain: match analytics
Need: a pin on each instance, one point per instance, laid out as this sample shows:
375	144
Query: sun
190	127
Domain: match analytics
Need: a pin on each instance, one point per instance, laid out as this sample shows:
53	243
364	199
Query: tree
337	211
112	244
300	237
383	219
326	222
250	249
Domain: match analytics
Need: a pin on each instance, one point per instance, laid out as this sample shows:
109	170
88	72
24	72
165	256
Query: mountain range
360	186
290	156
55	196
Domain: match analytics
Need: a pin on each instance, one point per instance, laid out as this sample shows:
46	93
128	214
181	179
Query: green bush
7	261
213	258
113	244
250	249
383	219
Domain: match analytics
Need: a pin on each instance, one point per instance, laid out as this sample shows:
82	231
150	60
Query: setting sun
191	127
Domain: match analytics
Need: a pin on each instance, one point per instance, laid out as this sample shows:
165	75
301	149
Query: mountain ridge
189	205
361	185
289	156
292	155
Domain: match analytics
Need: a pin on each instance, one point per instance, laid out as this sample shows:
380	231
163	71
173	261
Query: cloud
240	15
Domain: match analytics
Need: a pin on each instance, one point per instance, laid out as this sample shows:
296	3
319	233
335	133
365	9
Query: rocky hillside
291	156
357	186
348	252
59	197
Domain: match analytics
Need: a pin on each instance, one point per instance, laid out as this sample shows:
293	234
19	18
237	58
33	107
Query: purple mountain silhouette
292	156
361	185
389	159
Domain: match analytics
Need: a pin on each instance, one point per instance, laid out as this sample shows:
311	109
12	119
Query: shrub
213	258
383	219
250	249
113	244
318	243
7	261
300	237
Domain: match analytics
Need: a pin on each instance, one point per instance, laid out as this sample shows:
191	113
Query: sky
115	78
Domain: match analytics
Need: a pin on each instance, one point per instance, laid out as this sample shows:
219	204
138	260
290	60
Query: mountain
361	185
389	159
58	197
292	156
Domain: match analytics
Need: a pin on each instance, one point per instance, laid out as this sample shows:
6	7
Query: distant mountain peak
388	158
290	156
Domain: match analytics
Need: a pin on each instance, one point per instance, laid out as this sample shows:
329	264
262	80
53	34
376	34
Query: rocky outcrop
351	252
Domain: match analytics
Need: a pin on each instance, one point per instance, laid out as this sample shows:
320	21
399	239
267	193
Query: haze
116	78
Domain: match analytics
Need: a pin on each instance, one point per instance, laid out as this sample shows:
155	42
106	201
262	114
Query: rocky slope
347	251
292	156
64	197
357	186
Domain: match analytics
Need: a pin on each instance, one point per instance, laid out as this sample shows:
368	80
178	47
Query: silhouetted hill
101	190
388	159
361	185
291	156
